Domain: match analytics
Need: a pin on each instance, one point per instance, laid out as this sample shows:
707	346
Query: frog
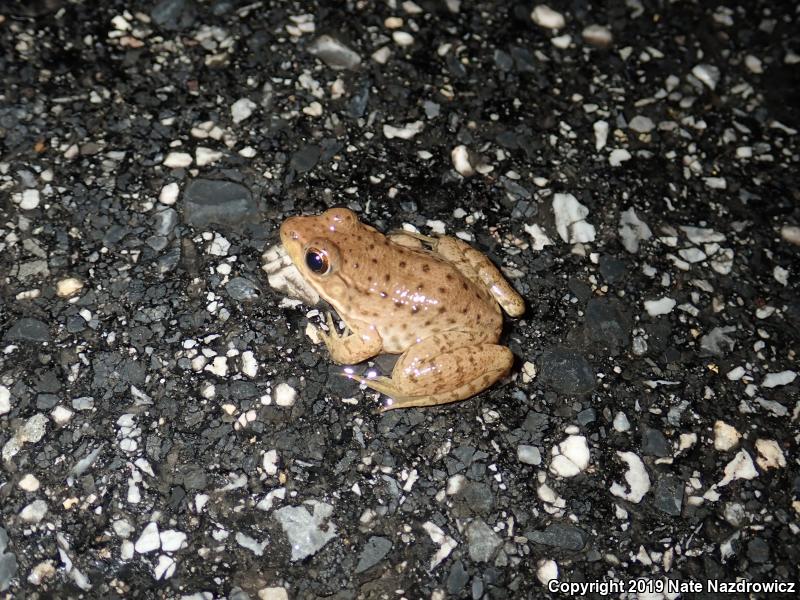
434	300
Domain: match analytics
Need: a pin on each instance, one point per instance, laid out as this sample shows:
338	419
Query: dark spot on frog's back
398	303
449	277
402	264
464	285
426	268
387	277
442	290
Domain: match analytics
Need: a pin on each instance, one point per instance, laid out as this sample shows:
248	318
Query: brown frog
434	300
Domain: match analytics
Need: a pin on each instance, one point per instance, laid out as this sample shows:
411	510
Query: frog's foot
362	343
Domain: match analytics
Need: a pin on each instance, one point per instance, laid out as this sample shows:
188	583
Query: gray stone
758	550
483	541
28	329
560	535
608	324
566	371
373	552
225	203
306	158
457	578
305	530
242	289
334	53
654	443
668	495
174	14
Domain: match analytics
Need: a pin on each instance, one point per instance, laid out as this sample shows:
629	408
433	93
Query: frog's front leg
444	368
362	343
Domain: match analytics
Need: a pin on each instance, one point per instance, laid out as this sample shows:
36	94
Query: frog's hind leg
444	368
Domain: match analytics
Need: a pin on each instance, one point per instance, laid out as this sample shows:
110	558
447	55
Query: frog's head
316	245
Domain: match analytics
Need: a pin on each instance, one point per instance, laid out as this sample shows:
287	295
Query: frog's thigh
474	264
362	343
428	374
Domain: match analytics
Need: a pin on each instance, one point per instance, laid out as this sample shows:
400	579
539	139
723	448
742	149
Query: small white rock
178	160
600	134
621	422
402	38
753	64
777	379
66	288
735	374
460	158
597	35
273	593
30	199
540	238
406	132
791	234
641	124
270	462
530	455
285	395
242	109
34	512
219	366
546	571
29	483
707	74
570	457
249	364
662	306
546	17
781	275
5	400
636	477
61	415
570	218
169	194
172	540
741	467
770	455
618	156
725	436
206	156
149	539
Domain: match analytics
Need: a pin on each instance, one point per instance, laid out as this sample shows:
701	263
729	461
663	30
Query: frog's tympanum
436	301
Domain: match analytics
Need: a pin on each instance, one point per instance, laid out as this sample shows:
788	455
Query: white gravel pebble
618	156
725	436
546	571
546	17
770	455
34	512
5	400
171	540
406	132
285	395
219	366
178	160
242	109
460	157
702	235
600	134
149	539
621	422
570	219
402	38
570	457
30	199
715	183
61	415
662	306
781	275
741	467
632	230
777	379
791	234
540	238
68	287
169	194
636	477
270	462
641	124
530	455
753	64
562	41
206	156
707	74
249	364
165	568
692	255
597	35
29	483
735	374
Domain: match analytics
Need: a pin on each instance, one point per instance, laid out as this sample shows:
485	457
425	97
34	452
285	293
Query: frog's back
410	294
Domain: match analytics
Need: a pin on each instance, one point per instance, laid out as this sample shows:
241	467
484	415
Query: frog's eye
317	261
